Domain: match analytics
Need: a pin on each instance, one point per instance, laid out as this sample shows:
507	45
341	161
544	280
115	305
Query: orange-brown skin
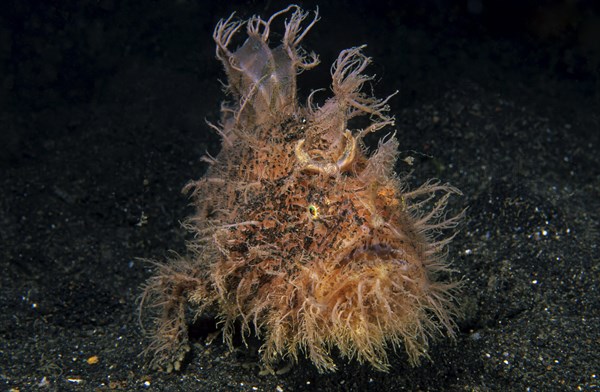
298	232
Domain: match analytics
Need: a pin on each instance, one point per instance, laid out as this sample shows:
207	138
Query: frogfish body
300	234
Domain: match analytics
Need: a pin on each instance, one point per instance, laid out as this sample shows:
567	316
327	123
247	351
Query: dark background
102	109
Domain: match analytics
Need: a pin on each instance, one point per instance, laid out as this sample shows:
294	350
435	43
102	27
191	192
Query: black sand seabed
102	123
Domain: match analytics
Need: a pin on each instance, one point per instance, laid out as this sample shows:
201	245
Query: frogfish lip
377	251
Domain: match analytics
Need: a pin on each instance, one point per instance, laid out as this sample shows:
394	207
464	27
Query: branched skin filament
299	235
